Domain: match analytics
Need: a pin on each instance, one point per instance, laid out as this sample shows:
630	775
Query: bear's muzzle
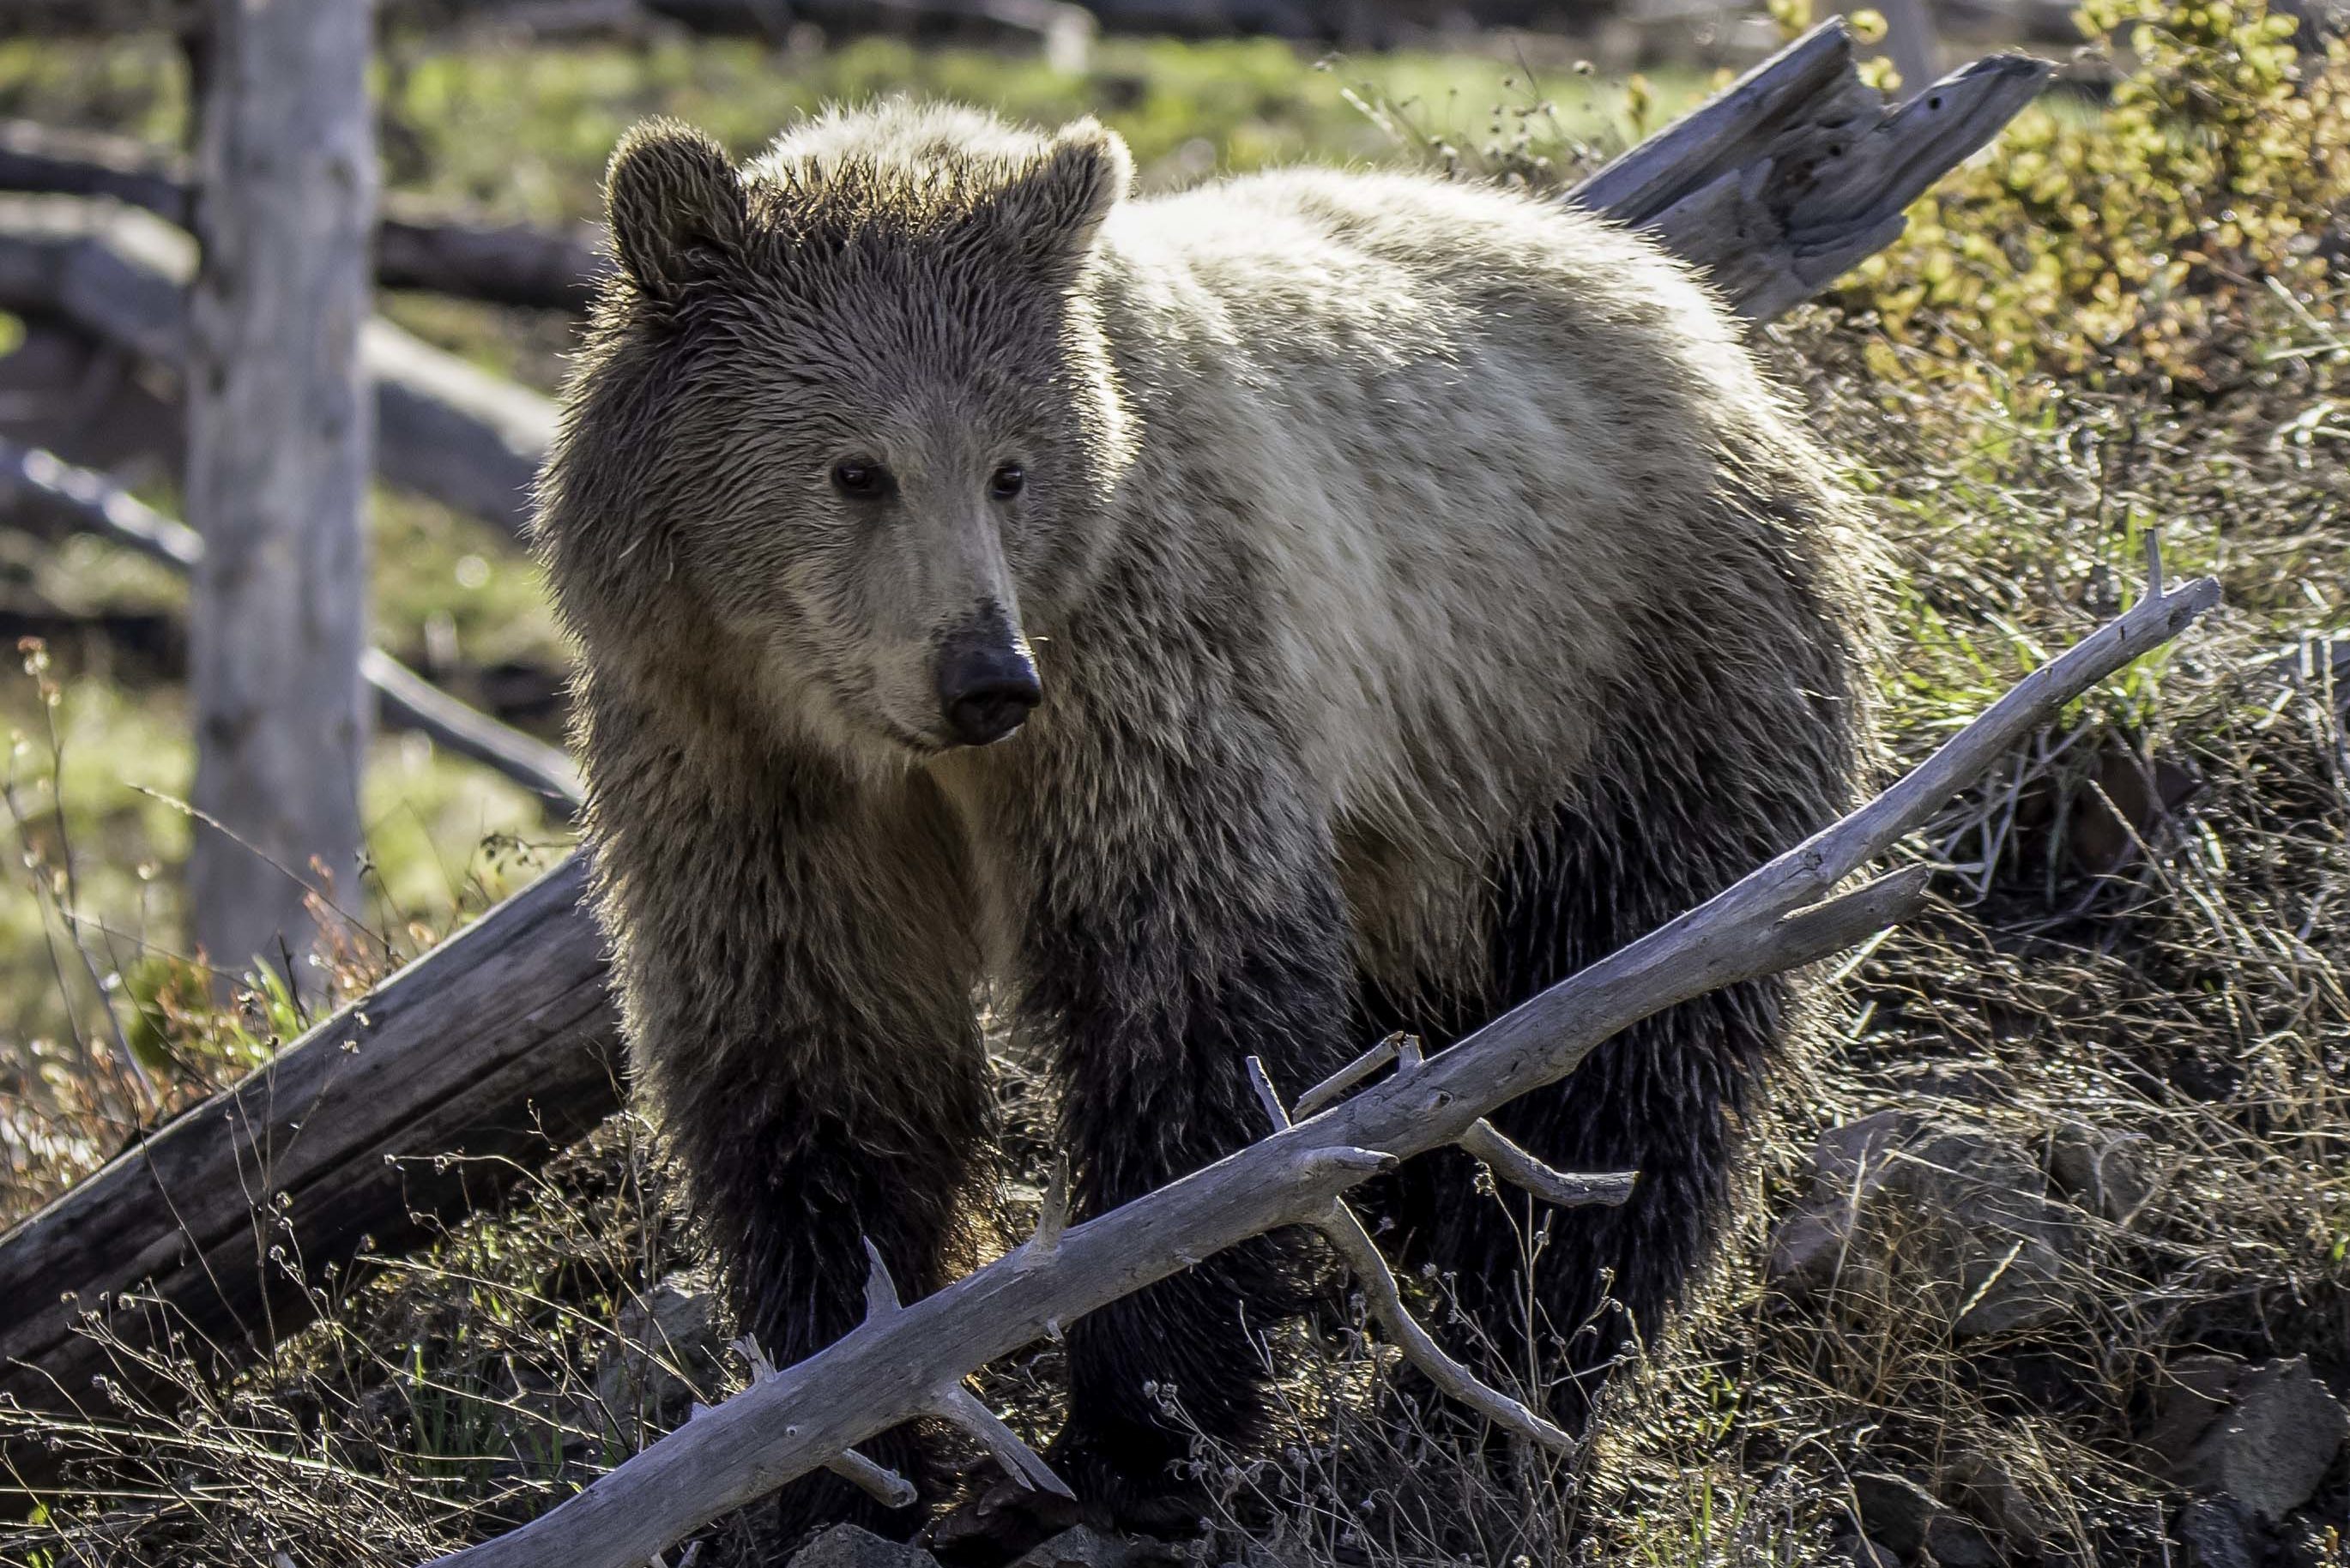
987	682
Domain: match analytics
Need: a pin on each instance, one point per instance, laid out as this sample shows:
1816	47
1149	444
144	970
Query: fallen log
37	489
1733	140
905	1362
499	262
444	428
417	1106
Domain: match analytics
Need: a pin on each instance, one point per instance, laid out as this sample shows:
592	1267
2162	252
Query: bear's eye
1007	481
856	476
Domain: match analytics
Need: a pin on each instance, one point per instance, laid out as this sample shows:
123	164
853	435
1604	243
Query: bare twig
1514	1165
32	480
1483	1141
1333	1088
1383	1298
1384	1301
878	1481
1051	1214
957	1406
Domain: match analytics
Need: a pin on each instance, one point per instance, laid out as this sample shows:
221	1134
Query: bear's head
846	421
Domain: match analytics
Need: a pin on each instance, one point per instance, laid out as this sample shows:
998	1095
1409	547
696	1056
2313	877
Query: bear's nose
986	693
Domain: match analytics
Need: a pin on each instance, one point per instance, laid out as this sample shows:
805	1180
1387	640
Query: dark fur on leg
1194	1337
816	1063
791	1195
1156	975
1670	812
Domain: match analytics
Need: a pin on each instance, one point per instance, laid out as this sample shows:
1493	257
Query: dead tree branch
1786	914
500	264
34	483
1383	1297
444	428
1799	169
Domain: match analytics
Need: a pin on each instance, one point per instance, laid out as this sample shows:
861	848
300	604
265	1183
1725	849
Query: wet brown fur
1428	595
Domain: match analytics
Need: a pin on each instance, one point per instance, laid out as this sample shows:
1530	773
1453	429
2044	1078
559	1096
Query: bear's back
1439	444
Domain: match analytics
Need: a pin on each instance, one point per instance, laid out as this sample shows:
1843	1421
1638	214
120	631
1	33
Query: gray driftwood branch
889	1369
36	487
1799	169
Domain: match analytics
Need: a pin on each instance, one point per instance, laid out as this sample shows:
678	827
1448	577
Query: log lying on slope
498	262
35	489
444	428
495	1048
1771	107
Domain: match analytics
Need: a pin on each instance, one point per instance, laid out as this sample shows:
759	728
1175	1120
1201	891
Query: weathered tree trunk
278	456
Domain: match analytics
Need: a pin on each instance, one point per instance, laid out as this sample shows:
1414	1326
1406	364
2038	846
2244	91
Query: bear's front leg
798	962
1189	918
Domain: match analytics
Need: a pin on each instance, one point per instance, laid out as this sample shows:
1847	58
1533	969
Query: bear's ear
676	206
1052	210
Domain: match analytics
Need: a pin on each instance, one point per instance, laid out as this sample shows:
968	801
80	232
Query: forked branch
1786	914
1383	1297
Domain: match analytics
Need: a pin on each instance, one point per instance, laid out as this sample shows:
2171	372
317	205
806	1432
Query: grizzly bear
1244	622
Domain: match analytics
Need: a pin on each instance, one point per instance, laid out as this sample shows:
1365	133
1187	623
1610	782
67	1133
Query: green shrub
2180	237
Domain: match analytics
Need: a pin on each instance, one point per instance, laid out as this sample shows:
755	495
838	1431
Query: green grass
528	133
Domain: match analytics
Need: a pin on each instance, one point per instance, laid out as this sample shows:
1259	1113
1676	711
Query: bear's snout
987	682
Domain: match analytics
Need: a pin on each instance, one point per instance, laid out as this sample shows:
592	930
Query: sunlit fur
1428	597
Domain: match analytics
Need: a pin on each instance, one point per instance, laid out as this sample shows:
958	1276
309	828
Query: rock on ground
2262	1435
847	1546
1897	1192
1898	1514
2219	1533
2110	1174
1084	1547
